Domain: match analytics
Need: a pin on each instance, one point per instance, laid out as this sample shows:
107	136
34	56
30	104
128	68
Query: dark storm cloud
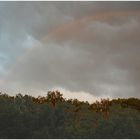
100	57
39	18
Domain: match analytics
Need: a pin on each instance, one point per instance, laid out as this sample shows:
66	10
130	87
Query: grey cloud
100	57
38	18
97	67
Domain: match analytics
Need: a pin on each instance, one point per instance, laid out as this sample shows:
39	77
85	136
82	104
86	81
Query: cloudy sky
87	50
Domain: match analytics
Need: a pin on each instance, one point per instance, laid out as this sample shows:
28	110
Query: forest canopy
24	116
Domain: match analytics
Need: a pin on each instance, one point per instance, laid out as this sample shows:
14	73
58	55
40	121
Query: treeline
56	117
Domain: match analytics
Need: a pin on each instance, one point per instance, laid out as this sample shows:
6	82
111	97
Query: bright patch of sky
11	49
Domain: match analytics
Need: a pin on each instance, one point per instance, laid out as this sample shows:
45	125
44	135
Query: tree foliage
24	116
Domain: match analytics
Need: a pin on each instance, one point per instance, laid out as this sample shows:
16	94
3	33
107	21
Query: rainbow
77	24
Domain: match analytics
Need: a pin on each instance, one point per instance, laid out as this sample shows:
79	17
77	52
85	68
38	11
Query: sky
87	50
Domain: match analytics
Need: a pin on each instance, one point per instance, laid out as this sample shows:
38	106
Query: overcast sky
84	49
